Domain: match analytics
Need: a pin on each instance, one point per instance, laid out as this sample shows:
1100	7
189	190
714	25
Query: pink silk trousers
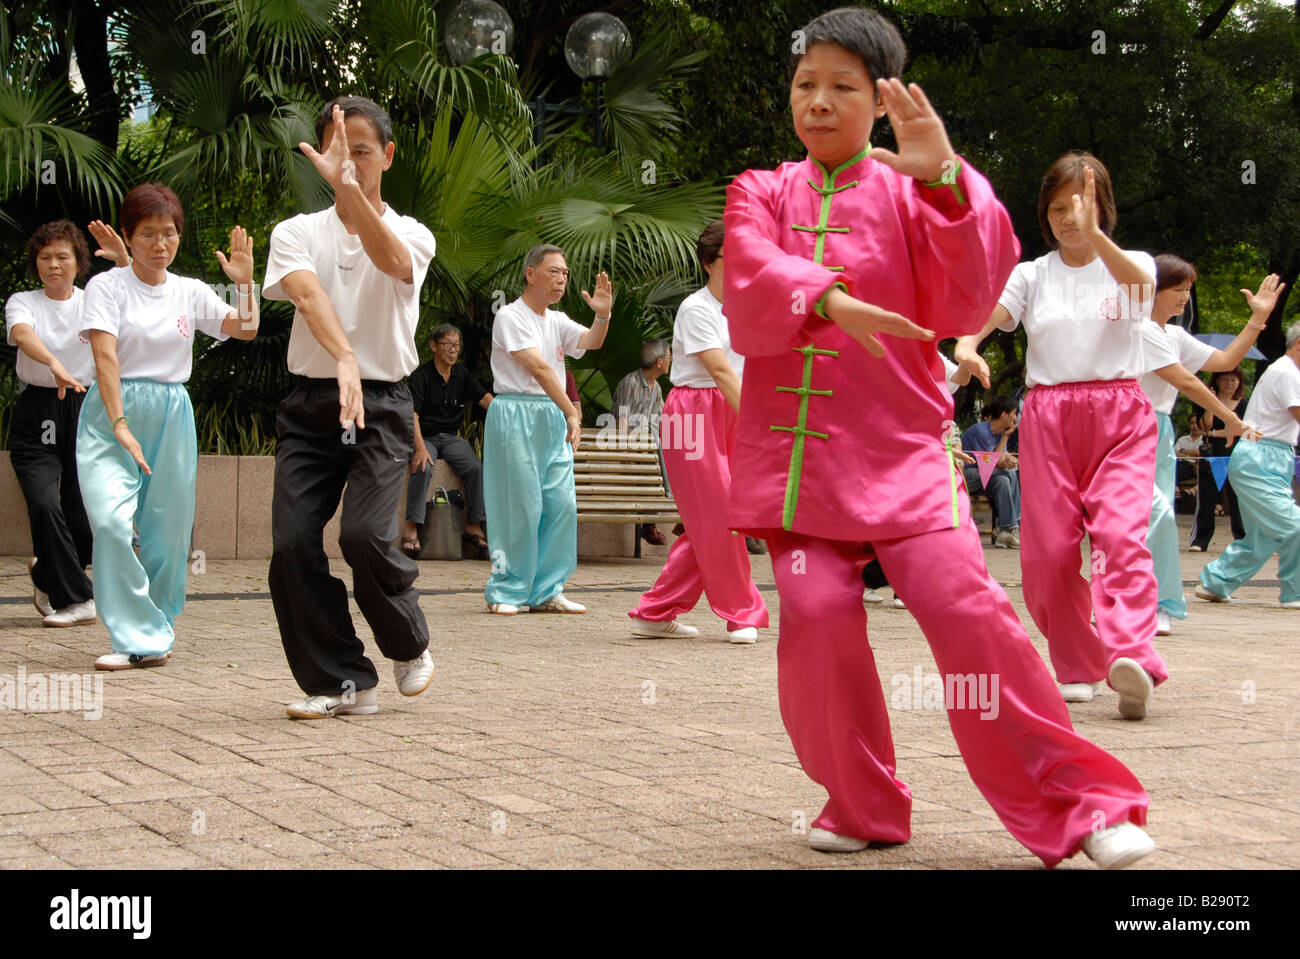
1087	462
697	430
1048	785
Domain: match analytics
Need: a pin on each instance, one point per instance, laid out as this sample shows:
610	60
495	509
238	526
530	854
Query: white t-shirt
1269	407
58	324
700	326
378	313
154	325
1080	323
1186	444
517	327
1163	347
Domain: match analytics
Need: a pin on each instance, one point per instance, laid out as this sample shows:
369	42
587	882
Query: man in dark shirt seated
440	391
991	435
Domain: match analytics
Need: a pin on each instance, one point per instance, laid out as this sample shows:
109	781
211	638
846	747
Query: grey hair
537	254
441	330
652	351
1293	334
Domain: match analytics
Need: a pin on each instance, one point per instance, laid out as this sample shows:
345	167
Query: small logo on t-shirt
348	268
559	354
84	337
183	324
1110	308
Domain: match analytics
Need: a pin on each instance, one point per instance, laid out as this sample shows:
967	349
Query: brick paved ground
560	742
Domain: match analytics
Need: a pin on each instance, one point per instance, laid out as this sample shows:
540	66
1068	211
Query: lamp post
592	44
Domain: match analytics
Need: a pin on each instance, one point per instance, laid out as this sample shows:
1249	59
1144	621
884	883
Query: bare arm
553	386
103	345
724	377
486	401
304	289
27	340
966	353
1193	387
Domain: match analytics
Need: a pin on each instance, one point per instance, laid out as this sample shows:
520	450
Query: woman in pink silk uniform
842	446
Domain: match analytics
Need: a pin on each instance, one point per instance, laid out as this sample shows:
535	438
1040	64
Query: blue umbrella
1221	341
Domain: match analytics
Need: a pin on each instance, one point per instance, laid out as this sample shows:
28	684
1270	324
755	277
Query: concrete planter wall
232	515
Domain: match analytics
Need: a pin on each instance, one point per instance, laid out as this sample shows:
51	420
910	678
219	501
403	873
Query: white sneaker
1118	846
365	702
1007	539
1211	597
898	603
503	609
1079	692
78	614
1163	626
558	604
1134	685
112	661
1291	604
1195	549
40	600
871	596
745	635
669	627
823	840
413	675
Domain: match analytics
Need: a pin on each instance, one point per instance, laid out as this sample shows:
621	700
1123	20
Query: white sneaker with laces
746	635
113	661
669	627
871	596
40	600
1079	692
1163	625
1118	846
1211	597
1134	685
78	614
823	840
364	702
558	604
413	675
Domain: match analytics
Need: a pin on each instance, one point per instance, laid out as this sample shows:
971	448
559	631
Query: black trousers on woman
1207	497
43	450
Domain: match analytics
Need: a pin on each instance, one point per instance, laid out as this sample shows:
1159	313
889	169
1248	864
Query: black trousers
43	450
460	457
1207	497
314	460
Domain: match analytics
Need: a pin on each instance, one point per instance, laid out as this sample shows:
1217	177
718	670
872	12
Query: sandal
478	541
411	547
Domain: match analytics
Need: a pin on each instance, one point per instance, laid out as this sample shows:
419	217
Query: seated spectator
991	435
440	391
1187	449
638	403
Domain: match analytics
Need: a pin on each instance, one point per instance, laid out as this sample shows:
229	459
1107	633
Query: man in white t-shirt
532	430
1261	474
353	272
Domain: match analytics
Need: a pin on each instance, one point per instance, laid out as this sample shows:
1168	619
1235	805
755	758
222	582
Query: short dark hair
709	243
54	232
150	199
1000	406
1241	380
1069	168
862	32
1173	271
441	330
534	257
352	106
652	350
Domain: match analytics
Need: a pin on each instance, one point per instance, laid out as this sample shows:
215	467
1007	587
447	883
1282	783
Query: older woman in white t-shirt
53	364
137	451
1088	435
